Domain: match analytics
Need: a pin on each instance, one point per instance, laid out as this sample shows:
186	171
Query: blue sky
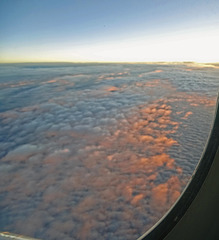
100	30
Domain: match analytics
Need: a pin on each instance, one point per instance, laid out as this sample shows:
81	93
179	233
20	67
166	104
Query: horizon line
104	62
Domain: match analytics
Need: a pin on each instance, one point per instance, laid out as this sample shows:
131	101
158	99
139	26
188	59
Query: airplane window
104	113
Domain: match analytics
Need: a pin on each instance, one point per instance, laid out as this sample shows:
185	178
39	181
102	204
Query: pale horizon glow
197	47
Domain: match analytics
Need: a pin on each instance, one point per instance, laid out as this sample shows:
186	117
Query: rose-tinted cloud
112	76
112	89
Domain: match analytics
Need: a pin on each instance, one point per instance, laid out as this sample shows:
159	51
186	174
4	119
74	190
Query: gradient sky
103	30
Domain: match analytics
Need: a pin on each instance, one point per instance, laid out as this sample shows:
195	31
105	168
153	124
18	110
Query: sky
109	31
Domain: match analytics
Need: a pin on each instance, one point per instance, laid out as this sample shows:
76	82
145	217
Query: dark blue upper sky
83	30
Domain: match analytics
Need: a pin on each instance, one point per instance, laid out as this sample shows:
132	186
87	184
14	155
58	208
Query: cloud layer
98	151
